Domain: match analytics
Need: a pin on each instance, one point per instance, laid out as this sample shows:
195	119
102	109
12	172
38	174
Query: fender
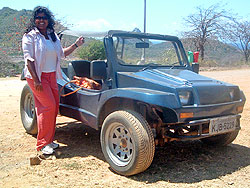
154	97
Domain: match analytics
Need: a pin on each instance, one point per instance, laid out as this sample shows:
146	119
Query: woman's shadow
179	162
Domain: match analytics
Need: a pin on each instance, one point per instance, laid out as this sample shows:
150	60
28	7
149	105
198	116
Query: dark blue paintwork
159	86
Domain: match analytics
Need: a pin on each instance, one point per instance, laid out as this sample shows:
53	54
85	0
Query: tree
92	51
238	32
206	23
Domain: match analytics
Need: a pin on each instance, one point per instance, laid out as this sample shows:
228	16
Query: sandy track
80	162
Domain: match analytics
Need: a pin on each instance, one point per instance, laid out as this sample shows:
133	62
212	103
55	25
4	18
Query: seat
79	68
98	70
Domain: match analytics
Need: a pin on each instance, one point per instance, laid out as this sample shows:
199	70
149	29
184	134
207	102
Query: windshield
144	51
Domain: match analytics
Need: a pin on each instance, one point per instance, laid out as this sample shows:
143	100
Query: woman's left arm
67	51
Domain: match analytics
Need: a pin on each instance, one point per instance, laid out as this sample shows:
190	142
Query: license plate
223	125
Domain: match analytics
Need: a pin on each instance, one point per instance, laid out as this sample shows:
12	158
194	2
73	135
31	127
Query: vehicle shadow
176	162
193	161
76	139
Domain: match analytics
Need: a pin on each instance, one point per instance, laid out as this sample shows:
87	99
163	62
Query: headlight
231	92
234	93
186	98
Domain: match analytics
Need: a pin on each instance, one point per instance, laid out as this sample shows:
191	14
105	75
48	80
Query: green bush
92	51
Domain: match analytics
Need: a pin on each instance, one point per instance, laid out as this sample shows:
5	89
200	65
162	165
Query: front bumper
193	130
210	111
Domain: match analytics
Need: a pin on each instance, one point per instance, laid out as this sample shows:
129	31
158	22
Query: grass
73	166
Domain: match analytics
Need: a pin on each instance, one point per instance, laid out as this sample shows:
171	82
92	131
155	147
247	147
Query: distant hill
217	53
10	21
12	26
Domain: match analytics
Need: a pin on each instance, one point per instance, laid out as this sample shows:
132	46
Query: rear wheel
27	110
127	142
221	140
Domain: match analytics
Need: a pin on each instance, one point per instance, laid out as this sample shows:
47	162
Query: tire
27	111
221	140
127	142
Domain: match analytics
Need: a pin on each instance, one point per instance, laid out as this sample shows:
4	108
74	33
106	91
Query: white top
33	44
50	57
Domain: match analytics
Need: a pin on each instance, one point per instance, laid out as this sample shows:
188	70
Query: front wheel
221	140
127	142
27	110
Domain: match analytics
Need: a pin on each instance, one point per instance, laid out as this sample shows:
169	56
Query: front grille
213	95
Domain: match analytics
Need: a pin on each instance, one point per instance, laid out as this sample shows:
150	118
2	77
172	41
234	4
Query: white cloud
92	25
127	27
102	25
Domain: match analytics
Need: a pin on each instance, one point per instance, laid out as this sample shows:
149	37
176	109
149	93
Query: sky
162	16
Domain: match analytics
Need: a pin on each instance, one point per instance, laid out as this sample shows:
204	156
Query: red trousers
46	105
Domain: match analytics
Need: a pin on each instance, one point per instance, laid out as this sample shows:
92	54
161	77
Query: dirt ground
80	162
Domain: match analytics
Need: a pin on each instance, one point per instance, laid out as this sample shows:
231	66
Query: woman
42	53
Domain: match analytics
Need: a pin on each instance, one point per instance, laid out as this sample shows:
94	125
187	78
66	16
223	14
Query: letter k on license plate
223	125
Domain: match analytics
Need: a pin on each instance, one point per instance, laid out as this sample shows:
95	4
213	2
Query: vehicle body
150	95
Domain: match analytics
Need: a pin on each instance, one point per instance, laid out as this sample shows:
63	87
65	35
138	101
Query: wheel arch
167	115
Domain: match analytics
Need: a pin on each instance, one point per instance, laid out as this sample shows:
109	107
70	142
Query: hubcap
119	144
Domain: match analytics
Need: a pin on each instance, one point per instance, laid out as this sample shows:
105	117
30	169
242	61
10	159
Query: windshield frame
180	52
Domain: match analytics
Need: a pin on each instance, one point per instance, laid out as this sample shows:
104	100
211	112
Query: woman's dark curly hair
51	20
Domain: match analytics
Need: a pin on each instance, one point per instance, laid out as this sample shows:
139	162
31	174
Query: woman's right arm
28	51
32	70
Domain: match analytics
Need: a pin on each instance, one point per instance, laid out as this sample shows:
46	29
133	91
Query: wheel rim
29	107
119	144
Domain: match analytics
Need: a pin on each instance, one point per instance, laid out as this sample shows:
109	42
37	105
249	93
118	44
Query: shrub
92	51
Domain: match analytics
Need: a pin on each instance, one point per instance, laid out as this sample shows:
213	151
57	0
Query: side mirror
196	67
98	70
